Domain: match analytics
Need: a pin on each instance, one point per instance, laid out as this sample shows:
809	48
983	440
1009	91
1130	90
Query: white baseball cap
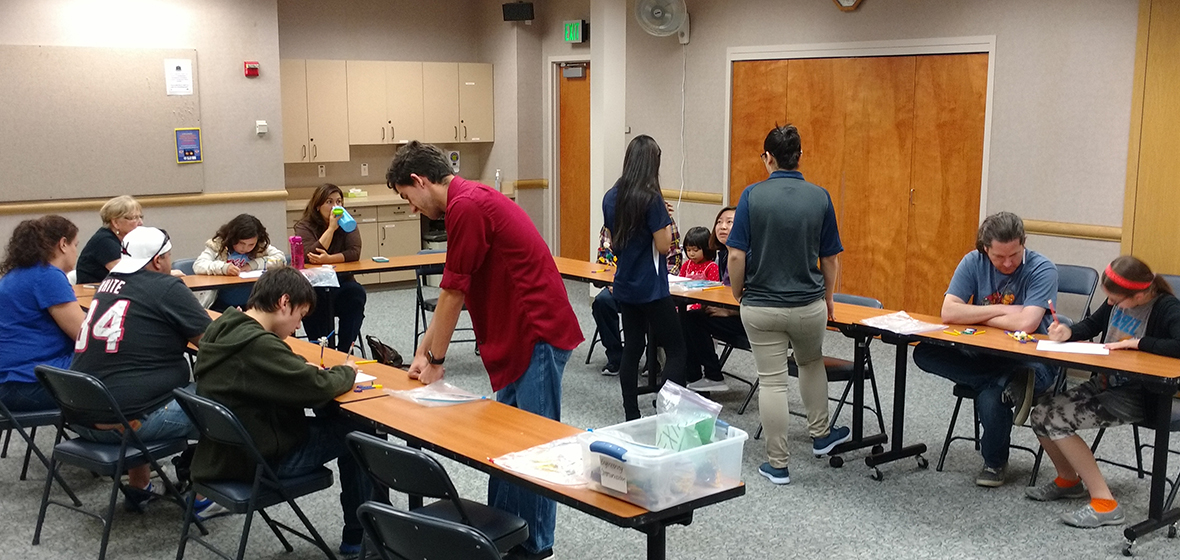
140	246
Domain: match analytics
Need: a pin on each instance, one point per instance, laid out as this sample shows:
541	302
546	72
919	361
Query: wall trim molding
1074	231
674	196
530	184
85	204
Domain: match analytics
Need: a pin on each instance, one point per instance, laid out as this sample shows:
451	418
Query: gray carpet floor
824	512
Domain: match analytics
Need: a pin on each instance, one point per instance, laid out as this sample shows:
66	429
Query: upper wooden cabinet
457	99
315	110
384	102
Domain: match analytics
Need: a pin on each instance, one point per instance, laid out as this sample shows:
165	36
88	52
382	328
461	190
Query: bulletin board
84	122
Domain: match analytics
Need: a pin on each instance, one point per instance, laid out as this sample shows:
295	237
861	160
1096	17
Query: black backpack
384	353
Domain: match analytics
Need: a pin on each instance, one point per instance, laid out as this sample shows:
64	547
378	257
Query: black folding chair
412	471
83	396
17	422
424	304
217	423
406	535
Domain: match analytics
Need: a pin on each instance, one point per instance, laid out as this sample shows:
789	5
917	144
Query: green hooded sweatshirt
257	376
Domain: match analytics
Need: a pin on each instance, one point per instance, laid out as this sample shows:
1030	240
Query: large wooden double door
896	141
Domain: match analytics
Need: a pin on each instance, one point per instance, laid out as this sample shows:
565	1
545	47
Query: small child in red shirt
700	264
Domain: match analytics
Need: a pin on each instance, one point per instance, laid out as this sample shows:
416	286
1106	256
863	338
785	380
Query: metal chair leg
950	432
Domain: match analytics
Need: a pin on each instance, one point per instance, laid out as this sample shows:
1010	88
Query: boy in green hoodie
244	364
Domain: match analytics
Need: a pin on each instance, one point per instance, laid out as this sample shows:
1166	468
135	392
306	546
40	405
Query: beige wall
224	33
1060	106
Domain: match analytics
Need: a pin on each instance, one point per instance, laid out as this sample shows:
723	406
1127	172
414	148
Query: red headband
1128	284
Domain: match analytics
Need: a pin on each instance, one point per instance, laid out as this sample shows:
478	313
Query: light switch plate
364	170
323	171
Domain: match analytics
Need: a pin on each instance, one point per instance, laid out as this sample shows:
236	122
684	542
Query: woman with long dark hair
39	314
634	211
240	245
325	243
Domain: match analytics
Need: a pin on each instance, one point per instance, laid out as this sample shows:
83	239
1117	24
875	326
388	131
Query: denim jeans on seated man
988	375
325	442
606	317
538	391
167	422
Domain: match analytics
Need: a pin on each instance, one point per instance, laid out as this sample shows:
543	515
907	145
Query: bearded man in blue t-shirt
1005	286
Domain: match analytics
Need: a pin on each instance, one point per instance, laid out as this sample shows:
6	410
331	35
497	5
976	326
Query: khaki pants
772	331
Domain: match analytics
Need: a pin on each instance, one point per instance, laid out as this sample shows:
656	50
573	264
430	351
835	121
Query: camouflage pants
1061	416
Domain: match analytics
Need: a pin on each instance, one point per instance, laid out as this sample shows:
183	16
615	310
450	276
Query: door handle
464	132
383	134
456	132
911	197
315	152
303	152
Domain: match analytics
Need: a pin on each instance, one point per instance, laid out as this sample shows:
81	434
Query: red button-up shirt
515	295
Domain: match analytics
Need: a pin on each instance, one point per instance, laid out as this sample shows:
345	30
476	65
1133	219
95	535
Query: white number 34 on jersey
108	327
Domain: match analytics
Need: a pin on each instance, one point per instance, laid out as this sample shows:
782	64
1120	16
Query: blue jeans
537	391
167	422
325	442
346	302
26	397
987	375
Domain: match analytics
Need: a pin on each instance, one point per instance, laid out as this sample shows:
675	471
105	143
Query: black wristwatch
434	361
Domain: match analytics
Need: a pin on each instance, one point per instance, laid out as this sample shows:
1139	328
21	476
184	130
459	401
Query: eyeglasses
133	217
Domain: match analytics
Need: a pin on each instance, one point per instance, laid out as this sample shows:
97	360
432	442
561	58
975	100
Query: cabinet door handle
456	132
911	197
383	134
314	151
383	235
303	152
391	134
464	132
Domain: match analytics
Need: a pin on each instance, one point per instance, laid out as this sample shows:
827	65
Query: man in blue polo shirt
1004	286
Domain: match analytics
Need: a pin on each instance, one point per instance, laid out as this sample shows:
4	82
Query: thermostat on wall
453	157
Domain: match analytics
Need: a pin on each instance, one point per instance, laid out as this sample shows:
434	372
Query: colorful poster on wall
188	145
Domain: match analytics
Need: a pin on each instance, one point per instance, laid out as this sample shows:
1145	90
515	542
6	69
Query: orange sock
1066	483
1103	506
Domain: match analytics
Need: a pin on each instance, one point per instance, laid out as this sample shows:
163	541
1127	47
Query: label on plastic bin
613	476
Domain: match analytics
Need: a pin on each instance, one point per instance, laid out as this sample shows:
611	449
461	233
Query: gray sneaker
1019	395
1050	491
990	477
1087	518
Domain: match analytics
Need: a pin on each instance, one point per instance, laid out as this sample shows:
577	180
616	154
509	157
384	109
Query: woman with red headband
1140	313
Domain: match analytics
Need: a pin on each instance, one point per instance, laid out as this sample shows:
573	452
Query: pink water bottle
296	251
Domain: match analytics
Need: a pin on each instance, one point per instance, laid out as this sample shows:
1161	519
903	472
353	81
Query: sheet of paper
251	274
672	279
178	76
362	377
1073	347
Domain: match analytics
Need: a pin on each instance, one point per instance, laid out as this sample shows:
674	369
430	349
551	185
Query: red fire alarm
251	69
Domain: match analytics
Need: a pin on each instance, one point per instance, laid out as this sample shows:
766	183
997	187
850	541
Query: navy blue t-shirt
642	273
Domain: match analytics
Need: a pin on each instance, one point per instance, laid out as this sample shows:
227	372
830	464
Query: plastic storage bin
641	473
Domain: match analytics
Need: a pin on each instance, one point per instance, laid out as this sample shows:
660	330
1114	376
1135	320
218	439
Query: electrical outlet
323	171
364	170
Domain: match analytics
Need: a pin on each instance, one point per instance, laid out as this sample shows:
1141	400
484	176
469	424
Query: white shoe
706	385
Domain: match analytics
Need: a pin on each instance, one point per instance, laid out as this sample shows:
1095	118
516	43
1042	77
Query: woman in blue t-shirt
641	234
39	314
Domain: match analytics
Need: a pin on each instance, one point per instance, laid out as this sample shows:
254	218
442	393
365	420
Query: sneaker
991	477
1087	518
1019	395
519	552
135	500
1050	491
205	508
824	445
777	476
611	370
706	385
349	551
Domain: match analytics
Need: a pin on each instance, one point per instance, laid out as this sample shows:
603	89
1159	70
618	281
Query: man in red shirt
500	267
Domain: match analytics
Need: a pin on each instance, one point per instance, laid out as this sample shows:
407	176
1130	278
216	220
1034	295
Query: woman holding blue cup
327	239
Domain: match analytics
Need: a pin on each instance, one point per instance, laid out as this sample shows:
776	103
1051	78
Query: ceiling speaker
518	11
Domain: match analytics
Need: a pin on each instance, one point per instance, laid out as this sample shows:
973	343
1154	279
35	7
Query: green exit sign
575	31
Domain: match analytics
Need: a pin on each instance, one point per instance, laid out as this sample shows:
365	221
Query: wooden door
398	239
759	101
874	196
327	110
815	95
1156	197
575	215
476	108
403	103
950	100
440	102
366	102
293	87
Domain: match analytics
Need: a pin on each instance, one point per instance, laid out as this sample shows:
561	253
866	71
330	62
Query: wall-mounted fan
663	18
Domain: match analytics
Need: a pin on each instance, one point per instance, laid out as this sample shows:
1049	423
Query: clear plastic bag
559	462
439	393
685	419
321	277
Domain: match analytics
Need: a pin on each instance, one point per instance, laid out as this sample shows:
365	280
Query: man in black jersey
134	339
